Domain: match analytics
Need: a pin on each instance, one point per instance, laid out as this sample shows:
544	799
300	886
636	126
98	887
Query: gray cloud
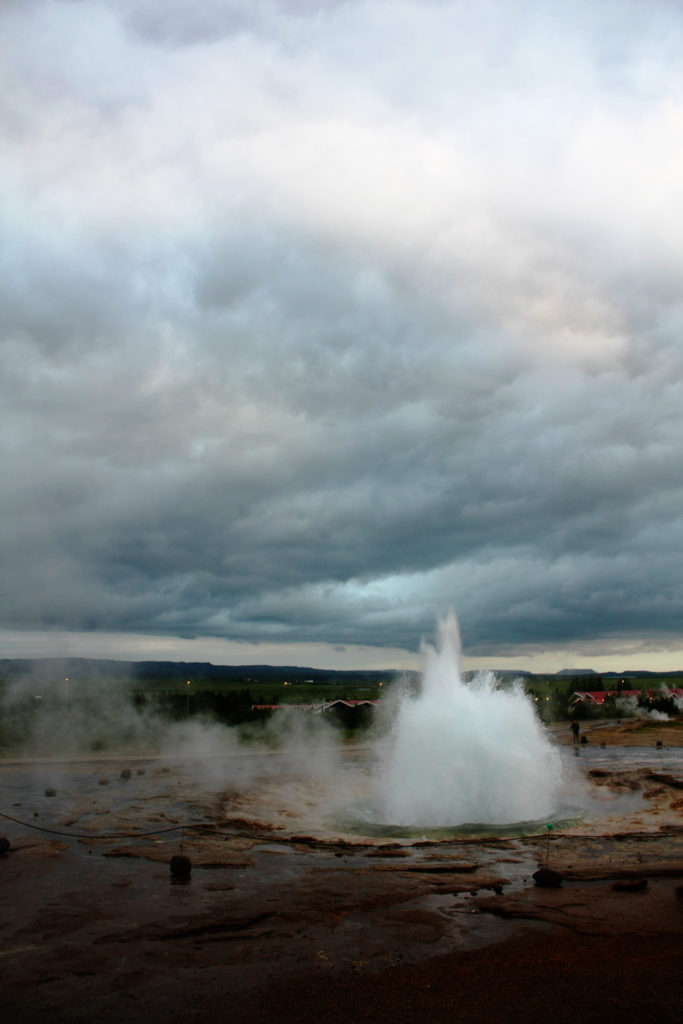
309	338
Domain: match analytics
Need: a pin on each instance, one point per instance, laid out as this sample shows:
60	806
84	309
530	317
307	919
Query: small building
595	698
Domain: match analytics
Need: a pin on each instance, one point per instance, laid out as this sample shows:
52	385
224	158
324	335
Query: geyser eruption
466	753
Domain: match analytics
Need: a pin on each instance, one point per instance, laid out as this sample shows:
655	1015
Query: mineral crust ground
285	919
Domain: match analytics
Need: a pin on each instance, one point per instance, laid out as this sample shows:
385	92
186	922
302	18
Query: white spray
466	753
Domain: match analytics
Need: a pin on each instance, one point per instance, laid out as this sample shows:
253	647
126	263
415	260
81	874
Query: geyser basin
462	753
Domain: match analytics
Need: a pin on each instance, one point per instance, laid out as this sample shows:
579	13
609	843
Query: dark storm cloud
305	348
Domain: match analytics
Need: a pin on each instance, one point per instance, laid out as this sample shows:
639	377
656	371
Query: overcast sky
319	318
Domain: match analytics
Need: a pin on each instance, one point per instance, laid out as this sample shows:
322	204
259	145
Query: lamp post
187	702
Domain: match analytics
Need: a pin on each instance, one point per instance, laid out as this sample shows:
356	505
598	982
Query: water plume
463	753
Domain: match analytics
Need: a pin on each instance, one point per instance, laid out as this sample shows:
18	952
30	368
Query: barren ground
281	921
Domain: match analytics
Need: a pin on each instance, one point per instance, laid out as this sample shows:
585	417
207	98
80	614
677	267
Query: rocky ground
632	732
274	923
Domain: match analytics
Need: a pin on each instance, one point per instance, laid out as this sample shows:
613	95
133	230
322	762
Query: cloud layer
320	318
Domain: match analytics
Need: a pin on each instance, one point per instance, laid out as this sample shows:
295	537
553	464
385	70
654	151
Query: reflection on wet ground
291	865
269	799
279	792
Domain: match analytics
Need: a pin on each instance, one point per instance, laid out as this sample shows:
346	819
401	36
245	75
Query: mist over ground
439	752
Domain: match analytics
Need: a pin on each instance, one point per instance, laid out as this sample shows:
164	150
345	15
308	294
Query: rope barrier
270	836
92	835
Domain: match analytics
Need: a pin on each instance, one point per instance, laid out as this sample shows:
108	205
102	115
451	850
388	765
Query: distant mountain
60	668
89	669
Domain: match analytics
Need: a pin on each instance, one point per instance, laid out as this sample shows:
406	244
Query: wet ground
297	903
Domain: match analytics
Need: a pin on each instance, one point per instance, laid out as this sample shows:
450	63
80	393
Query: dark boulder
547	878
181	866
